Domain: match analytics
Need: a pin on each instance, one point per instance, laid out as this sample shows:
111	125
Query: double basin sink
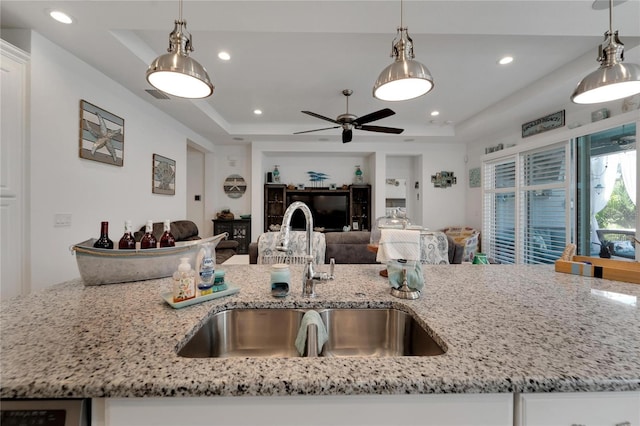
272	333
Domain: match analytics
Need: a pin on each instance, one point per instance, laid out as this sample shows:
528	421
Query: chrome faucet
309	276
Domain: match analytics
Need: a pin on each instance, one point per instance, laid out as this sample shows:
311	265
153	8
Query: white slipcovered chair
296	253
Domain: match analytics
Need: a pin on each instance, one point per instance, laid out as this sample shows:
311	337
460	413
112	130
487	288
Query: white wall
90	191
228	160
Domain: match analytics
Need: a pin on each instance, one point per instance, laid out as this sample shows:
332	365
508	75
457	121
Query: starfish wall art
101	135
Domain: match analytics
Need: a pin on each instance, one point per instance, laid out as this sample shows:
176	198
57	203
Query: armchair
467	237
268	254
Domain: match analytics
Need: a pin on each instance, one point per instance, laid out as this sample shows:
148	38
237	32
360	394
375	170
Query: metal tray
104	266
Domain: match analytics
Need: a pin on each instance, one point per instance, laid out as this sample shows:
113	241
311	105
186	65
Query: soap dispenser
184	282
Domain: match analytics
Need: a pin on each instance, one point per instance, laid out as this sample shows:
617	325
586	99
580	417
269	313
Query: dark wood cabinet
353	204
360	207
274	204
238	229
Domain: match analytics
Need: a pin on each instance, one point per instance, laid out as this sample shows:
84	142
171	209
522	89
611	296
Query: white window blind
525	214
499	210
543	217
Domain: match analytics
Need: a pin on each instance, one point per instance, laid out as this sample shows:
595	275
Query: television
329	210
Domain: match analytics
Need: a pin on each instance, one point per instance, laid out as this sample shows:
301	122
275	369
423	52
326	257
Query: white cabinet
425	410
580	408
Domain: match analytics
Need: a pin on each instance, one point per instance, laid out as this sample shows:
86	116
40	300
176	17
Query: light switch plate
61	220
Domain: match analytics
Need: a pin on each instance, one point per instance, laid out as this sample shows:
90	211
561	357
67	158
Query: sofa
187	230
352	248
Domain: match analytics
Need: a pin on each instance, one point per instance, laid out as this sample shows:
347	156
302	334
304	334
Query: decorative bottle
184	281
358	178
104	241
127	242
276	174
148	240
167	239
206	266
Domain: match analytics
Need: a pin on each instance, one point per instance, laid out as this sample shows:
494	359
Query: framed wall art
234	186
164	175
101	135
543	124
474	177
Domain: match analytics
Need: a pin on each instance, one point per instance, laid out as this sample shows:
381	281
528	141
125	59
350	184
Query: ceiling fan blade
378	115
347	136
321	117
317	130
381	129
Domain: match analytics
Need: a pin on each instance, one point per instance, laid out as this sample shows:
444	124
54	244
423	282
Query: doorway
195	188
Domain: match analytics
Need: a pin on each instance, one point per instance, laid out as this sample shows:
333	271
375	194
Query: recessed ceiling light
505	60
224	56
61	17
257	111
435	113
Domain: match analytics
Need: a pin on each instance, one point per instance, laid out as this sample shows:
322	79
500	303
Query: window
525	214
607	205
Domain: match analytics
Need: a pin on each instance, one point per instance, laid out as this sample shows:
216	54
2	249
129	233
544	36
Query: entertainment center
332	209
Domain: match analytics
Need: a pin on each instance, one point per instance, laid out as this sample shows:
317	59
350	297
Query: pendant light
175	72
613	80
405	78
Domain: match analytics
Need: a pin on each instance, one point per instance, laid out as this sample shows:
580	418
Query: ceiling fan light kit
405	78
348	121
176	73
613	80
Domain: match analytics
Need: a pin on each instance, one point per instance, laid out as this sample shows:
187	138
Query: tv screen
330	211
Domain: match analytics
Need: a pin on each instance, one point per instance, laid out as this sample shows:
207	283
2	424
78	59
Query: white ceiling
295	55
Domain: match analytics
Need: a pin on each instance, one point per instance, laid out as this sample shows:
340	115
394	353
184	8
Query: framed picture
474	177
101	135
163	175
543	124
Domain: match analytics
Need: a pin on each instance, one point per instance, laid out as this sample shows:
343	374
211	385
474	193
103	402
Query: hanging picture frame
163	175
101	135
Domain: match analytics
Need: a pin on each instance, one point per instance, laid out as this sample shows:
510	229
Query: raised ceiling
288	56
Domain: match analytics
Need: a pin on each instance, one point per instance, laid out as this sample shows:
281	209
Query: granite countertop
506	328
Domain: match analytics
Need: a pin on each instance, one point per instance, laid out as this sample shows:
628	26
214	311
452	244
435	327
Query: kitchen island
506	329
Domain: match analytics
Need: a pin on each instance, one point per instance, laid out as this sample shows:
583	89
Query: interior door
13	76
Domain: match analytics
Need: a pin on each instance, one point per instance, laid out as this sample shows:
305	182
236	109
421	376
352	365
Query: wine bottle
167	239
104	241
127	242
148	240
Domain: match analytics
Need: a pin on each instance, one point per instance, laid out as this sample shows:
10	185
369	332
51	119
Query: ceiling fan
348	122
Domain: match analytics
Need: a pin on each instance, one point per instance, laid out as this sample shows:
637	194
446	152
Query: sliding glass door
606	180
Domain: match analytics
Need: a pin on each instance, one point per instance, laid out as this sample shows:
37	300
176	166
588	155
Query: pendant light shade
613	80
175	72
405	78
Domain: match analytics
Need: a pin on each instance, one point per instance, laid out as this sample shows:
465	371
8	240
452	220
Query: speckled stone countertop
506	329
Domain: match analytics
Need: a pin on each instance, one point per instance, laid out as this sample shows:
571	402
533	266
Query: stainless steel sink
272	333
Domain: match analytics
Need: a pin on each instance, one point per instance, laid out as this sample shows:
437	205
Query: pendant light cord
180	11
610	17
401	14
